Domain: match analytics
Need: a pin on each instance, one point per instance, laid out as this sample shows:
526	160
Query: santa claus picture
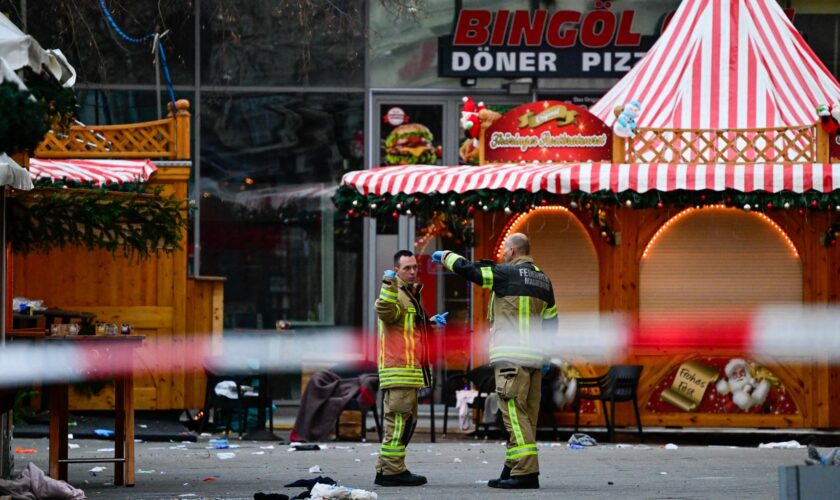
746	390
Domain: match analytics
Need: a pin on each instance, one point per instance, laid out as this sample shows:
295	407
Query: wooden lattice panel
139	140
790	145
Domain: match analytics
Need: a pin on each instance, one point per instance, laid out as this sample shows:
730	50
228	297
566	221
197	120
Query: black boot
405	478
526	482
494	483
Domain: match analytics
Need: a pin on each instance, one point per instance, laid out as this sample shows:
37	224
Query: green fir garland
140	224
120	187
460	207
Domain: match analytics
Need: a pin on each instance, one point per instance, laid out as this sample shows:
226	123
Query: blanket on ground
33	484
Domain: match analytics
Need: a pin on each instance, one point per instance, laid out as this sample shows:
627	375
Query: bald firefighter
404	369
521	306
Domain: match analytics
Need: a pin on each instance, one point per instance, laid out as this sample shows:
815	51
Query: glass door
424	130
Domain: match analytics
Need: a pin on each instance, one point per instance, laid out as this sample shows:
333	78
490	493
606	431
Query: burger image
410	144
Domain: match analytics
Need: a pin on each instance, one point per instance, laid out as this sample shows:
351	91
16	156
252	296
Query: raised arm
387	307
481	273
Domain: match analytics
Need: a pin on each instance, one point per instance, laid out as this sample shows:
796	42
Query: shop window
98	54
270	164
262	43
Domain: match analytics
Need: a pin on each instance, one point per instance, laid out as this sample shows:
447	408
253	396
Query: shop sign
566	43
548	131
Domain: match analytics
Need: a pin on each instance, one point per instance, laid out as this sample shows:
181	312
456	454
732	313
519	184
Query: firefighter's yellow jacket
521	308
403	331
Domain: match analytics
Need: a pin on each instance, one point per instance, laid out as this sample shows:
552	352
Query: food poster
411	134
721	385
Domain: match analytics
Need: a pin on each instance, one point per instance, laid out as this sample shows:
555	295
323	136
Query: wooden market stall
156	295
722	201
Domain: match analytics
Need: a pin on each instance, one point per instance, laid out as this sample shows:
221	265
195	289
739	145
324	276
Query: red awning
594	177
98	172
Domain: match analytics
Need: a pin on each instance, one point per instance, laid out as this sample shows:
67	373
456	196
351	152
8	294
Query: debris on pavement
141	471
96	469
25	451
333	491
309	484
315	469
671	446
270	496
225	456
782	445
582	439
815	458
305	447
104	432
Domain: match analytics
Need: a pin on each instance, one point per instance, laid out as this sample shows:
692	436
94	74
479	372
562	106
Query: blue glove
389	273
546	369
437	257
440	319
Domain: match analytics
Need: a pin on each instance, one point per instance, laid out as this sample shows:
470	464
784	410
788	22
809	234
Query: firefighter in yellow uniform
521	309
403	365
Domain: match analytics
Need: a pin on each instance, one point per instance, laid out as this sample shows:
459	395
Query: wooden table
123	419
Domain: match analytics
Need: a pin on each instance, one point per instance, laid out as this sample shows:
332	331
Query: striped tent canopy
725	64
595	177
96	172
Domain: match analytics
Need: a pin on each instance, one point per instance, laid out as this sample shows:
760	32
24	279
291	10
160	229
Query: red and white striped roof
725	64
100	172
593	177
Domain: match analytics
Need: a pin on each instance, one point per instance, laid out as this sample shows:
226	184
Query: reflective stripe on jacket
402	331
522	304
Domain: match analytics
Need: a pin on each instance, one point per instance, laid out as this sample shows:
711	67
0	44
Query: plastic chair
617	385
225	405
